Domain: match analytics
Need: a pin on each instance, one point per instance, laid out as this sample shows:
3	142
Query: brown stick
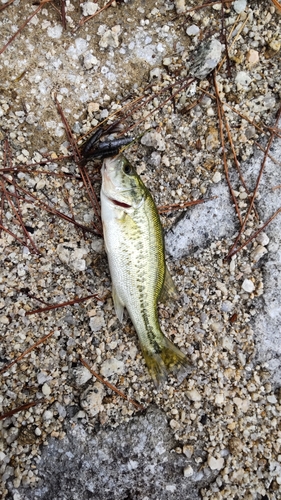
83	21
21	408
163	209
220	114
64	304
6	5
42	3
256	187
51	210
26	352
255	234
237	164
110	386
84	174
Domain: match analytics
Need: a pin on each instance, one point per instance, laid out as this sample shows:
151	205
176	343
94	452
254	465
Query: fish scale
135	248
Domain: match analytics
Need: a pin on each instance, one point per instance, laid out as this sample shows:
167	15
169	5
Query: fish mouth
120	203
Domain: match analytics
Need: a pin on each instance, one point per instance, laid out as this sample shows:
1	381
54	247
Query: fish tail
167	359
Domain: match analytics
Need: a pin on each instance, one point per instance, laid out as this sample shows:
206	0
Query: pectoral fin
118	304
169	290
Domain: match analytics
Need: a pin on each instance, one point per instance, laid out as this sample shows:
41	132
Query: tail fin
169	359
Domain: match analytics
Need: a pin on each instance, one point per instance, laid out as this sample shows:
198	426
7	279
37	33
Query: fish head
121	184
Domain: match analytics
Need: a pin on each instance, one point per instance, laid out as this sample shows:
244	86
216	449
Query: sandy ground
133	61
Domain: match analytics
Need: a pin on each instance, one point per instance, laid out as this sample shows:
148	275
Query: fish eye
127	169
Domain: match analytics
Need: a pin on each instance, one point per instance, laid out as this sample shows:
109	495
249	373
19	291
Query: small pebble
46	390
248	286
192	30
188	471
239	6
91	399
215	463
194	395
252	57
206	58
216	177
112	366
262	239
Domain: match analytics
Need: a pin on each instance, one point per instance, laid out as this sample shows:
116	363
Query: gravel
217	435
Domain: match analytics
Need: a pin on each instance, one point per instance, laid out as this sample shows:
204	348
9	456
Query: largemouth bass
134	244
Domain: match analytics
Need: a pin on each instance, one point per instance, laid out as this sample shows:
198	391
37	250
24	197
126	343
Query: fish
134	243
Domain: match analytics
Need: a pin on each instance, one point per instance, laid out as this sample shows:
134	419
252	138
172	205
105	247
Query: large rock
135	461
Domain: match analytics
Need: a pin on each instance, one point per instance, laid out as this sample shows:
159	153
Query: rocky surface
136	460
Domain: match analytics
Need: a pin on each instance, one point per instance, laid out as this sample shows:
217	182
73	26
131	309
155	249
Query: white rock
110	38
222	287
242	404
40	184
46	389
48	415
4	320
216	177
194	395
97	245
70	254
42	377
21	270
239	6
82	375
215	463
188	450
91	399
97	323
258	253
155	73
192	30
180	6
216	326
90	60
154	139
271	399
93	107
89	8
170	487
227	306
167	61
206	58
55	31
219	399
111	366
227	343
242	78
12	434
262	239
188	471
248	286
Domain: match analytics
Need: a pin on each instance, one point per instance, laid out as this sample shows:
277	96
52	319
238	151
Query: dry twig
110	386
27	352
42	3
24	407
255	234
220	116
231	252
64	304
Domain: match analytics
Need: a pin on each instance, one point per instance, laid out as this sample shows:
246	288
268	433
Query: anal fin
169	290
118	304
